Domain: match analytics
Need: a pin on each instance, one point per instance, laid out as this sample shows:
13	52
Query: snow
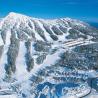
69	97
21	73
50	60
75	22
3	59
89	73
63	37
8	96
84	92
92	96
37	35
8	36
14	17
92	74
20	62
1	41
45	33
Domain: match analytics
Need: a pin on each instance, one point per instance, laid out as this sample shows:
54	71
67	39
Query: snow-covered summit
41	29
19	17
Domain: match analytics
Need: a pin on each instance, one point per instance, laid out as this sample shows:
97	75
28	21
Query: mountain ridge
12	19
16	28
36	52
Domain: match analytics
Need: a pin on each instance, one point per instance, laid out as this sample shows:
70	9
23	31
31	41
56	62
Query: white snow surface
20	62
1	41
3	59
8	96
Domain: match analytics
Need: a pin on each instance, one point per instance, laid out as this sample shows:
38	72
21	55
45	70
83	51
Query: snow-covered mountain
35	51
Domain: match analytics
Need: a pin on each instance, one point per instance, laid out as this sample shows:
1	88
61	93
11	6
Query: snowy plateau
47	58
